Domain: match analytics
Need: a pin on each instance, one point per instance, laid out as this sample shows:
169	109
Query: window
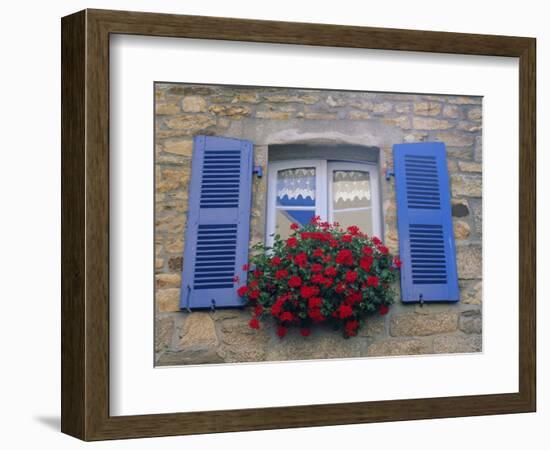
337	191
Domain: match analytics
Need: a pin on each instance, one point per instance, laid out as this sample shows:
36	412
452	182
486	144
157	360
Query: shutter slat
426	241
217	232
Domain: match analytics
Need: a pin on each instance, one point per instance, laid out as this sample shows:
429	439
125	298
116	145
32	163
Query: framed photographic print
271	224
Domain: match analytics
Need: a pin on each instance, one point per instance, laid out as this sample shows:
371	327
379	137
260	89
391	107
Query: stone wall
269	116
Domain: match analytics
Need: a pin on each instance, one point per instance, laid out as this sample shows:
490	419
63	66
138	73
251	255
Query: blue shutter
426	240
218	222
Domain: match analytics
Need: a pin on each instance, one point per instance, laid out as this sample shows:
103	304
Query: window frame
323	189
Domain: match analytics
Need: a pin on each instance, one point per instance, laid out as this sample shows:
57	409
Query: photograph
308	224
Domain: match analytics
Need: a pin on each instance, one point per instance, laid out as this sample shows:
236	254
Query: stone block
428	123
427	108
470	322
463	185
457	344
194	103
468	260
413	324
168	300
398	347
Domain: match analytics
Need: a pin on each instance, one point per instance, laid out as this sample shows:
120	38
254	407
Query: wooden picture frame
85	224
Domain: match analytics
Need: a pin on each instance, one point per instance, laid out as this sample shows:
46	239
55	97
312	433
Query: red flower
246	267
276	261
254	323
300	259
351	327
383	249
366	262
344	257
257	273
372	281
291	242
316	268
294	226
367	250
295	281
236	279
308	291
286	317
327	258
353	230
331	271
316	219
347	238
314	302
340	288
258	310
376	241
328	282
278	305
253	295
344	311
305	332
316	315
280	274
351	276
318	252
318	278
333	243
383	310
281	331
354	297
397	262
242	291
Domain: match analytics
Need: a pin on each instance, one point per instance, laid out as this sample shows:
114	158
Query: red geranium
345	311
308	291
350	327
372	281
300	259
242	291
316	268
351	276
366	262
291	242
281	331
294	281
280	274
320	273
345	257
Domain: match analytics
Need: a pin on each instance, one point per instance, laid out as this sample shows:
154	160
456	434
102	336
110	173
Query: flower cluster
321	273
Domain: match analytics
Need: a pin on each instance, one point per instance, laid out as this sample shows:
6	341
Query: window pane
284	218
361	218
350	189
296	187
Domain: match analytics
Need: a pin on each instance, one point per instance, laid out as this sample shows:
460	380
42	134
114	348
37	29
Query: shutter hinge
389	174
421	300
213	306
258	170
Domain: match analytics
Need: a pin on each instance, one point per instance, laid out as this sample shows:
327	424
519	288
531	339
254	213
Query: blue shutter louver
217	231
426	240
